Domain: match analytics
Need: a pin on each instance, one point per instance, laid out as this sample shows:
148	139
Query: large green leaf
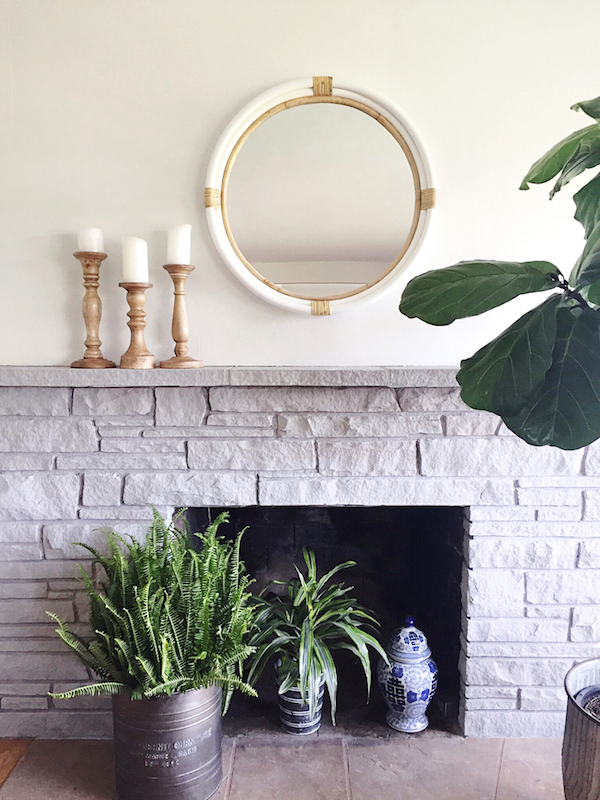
329	672
551	163
565	411
472	287
328	575
506	372
354	634
589	107
586	156
587	202
305	656
587	269
592	293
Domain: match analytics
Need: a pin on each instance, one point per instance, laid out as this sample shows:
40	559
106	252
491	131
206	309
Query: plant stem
563	284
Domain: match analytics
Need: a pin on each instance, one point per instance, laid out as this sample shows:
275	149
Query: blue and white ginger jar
409	682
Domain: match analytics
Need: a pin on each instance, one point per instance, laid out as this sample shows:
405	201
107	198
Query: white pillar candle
90	240
179	245
135	260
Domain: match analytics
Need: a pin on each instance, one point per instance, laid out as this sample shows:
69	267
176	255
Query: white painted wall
109	110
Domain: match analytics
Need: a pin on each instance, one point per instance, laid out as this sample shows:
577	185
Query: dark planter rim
575	667
165	696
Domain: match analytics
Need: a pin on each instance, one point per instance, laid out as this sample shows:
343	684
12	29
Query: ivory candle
90	240
179	244
135	260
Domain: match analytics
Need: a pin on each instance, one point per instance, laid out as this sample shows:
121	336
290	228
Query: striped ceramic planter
294	714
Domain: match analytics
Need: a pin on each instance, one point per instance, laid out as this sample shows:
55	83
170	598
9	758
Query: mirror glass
320	200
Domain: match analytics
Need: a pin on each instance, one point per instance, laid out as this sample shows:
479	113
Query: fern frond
108	669
107	687
148	669
169	687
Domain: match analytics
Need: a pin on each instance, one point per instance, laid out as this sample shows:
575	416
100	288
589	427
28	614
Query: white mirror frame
239	128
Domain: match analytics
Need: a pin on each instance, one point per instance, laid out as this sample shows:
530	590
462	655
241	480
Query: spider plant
167	618
304	625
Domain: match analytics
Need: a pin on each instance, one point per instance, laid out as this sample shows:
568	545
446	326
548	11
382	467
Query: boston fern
542	374
302	627
167	618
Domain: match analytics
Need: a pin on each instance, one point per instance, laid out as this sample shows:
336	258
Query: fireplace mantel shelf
397	377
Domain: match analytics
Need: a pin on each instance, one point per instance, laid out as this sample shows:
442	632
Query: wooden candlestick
92	312
137	355
180	328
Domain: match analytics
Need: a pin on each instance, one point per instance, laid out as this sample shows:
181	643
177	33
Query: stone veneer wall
83	449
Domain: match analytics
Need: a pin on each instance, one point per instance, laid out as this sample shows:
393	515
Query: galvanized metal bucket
168	748
581	743
294	715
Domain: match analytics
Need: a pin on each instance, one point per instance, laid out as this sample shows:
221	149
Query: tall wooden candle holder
180	327
137	355
92	312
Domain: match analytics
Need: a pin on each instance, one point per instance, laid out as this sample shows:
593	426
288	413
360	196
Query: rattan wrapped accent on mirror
320	308
212	198
427	199
322	85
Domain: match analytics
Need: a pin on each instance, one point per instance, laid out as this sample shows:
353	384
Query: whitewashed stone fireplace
82	449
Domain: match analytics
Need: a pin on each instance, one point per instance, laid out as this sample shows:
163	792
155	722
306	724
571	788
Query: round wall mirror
318	195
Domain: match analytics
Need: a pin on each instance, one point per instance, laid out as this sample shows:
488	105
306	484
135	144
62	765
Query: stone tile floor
428	766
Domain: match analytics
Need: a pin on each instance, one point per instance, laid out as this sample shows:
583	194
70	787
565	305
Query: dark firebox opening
408	561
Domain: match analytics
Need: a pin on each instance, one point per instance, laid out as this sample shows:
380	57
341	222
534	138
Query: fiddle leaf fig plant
542	374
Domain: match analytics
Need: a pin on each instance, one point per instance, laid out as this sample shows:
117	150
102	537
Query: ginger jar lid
408	643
